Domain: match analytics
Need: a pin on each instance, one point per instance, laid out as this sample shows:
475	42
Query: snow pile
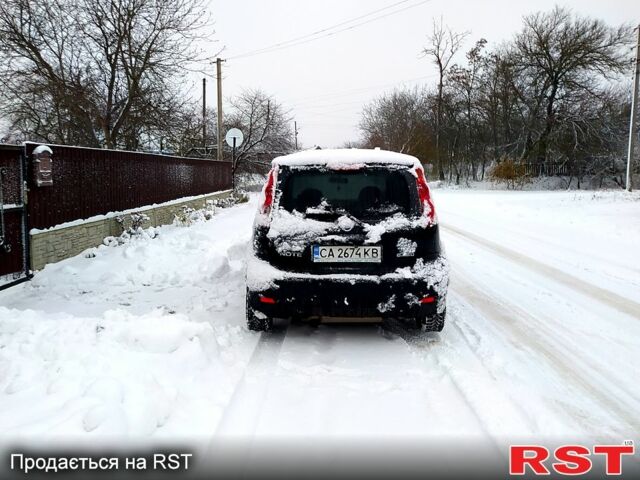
144	339
116	374
135	229
188	216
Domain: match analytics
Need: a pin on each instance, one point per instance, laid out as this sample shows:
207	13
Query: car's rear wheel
432	323
257	321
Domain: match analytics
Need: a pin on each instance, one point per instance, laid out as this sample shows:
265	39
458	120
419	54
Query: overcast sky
326	82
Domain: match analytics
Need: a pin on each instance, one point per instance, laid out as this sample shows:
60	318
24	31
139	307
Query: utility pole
219	75
204	114
295	133
633	134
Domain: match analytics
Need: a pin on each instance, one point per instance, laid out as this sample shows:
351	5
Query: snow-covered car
346	234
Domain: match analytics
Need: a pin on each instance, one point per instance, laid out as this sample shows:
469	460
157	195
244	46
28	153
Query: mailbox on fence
43	166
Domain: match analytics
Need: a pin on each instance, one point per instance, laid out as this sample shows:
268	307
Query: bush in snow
134	225
111	241
188	216
509	172
131	227
238	196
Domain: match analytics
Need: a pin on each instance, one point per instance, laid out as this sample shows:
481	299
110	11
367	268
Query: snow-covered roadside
556	274
593	235
147	339
144	339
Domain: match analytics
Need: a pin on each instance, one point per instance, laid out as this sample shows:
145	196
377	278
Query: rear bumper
279	294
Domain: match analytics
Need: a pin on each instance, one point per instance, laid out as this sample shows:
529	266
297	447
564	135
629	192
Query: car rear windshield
365	193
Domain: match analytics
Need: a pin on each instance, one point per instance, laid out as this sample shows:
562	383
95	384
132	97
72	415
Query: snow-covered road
147	340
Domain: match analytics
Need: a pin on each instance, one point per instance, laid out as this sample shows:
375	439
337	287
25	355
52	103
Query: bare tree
95	72
465	85
182	130
562	53
265	124
398	121
442	47
551	99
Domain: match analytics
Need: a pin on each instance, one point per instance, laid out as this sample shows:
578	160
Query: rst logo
567	459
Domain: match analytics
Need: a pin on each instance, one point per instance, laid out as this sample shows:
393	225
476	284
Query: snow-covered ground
147	340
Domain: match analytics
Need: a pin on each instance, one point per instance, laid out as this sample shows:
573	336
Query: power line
252	52
311	107
327	31
342	29
356	91
352	102
339	114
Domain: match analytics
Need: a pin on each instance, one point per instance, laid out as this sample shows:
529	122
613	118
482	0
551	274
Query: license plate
336	253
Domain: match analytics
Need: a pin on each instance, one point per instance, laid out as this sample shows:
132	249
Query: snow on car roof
345	156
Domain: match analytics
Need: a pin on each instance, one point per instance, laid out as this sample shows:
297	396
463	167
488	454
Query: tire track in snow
504	318
601	375
231	446
611	299
243	410
464	334
546	241
419	342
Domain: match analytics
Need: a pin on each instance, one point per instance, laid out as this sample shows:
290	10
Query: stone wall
49	246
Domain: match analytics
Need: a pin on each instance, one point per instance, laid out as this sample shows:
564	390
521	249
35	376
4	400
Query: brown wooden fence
88	182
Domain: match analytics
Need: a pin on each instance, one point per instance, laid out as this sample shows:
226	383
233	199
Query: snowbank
142	339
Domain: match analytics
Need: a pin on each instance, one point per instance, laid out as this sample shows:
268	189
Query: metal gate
14	237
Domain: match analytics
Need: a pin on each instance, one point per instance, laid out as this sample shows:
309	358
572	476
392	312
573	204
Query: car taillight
428	299
425	196
268	192
269	300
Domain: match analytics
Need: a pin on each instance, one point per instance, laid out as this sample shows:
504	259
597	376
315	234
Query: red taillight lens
268	192
428	299
425	196
268	300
